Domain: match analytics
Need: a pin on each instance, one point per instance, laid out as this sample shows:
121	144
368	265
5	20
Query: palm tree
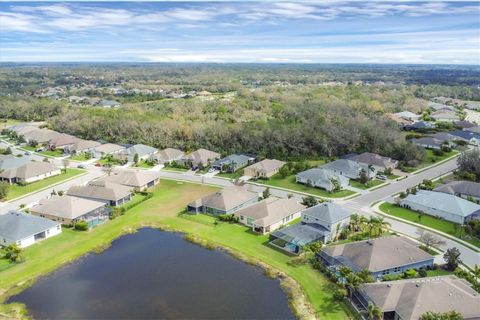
366	276
354	223
476	272
352	282
374	312
384	226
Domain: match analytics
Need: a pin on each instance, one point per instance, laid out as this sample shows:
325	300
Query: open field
16	191
162	210
289	183
429	221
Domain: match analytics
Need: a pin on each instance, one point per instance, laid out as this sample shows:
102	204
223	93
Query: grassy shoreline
307	289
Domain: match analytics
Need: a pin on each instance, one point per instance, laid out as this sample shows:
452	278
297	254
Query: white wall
43	176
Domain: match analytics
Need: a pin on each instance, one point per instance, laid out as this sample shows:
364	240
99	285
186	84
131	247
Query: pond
154	274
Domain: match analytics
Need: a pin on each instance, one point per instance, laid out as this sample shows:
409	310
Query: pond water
154	274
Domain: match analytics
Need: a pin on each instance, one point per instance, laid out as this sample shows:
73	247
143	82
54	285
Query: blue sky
248	31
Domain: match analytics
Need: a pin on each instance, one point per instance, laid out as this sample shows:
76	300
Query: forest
280	111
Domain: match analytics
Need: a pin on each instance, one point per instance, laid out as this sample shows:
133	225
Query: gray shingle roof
411	298
346	167
132	178
320	175
378	254
468	188
233	158
15	226
202	156
270	211
267	165
66	206
29	170
444	202
374	159
10	161
100	190
140	149
328	212
169	154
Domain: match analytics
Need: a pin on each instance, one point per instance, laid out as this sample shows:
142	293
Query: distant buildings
24	229
442	205
380	256
232	162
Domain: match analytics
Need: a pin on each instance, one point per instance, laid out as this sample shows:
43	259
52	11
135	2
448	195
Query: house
464	124
380	256
419	126
62	141
446	137
232	163
443	205
22	128
444	115
201	157
69	210
400	121
41	136
321	223
270	214
379	162
144	152
225	201
473	129
409	299
440	107
106	149
264	169
407	115
24	229
9	161
109	103
83	146
428	142
322	178
137	179
468	136
350	169
30	172
168	155
463	189
112	194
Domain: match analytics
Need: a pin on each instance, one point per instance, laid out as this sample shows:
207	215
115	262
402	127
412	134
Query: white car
211	170
381	177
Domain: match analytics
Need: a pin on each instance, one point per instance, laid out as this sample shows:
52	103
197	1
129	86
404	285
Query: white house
30	172
24	229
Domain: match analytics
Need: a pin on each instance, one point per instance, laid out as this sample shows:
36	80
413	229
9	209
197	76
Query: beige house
137	179
81	146
202	157
111	193
409	299
270	214
30	172
225	201
68	210
264	169
62	141
107	148
168	155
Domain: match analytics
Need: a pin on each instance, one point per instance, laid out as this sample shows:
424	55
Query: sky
433	32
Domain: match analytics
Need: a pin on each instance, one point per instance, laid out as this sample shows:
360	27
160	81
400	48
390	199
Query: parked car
81	166
27	153
381	177
211	170
40	150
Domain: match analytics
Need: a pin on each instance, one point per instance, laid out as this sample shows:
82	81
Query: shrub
422	273
410	273
437	152
391	277
340	294
228	218
81	226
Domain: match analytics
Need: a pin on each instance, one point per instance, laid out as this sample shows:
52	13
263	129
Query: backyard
162	210
289	183
16	191
447	227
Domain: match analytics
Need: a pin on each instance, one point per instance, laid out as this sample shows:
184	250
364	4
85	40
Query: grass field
234	175
163	209
80	157
175	169
438	272
368	185
429	221
16	191
52	153
143	165
290	183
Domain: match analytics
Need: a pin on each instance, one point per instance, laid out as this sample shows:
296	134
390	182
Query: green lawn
290	183
234	175
175	169
105	161
143	164
368	185
81	157
29	148
438	272
431	159
52	153
429	221
393	177
16	191
162	210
